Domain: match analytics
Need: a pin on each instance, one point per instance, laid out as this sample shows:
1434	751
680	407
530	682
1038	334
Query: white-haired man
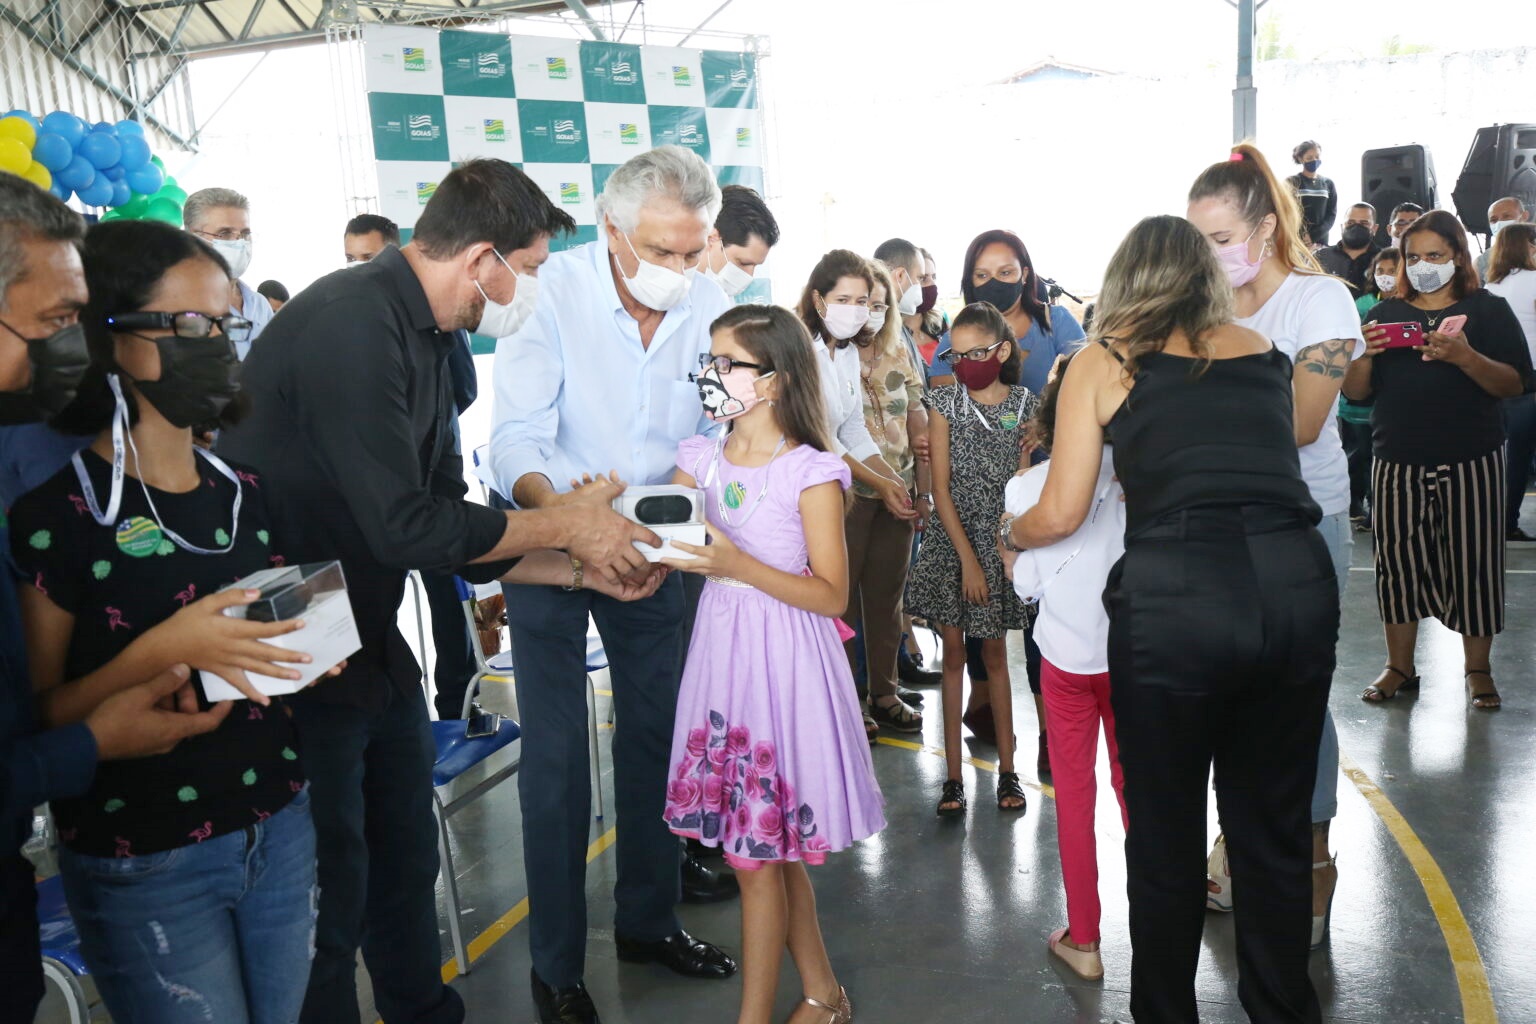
222	218
597	380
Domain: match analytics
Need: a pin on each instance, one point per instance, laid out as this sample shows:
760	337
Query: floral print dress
769	759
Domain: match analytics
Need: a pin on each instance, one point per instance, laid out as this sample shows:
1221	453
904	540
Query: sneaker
1519	536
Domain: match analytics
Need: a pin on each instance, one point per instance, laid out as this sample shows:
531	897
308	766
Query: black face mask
58	361
1002	294
1356	236
199	377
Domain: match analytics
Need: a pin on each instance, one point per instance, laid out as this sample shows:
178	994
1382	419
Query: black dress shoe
703	851
682	953
909	696
913	674
563	1006
702	885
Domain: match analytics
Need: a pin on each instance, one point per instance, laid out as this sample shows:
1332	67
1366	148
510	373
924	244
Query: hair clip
1235	158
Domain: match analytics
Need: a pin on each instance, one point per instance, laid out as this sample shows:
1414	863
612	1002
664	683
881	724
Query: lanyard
714	465
1093	517
983	420
114	504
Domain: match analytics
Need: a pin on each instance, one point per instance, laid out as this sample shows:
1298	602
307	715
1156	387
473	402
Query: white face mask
1495	226
876	321
910	300
1385	283
843	322
500	320
236	252
1429	277
654	287
731	278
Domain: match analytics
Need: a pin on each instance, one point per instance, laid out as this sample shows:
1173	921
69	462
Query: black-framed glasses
724	364
184	325
975	355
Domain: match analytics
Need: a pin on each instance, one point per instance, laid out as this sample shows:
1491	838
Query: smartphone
1404	335
1453	325
484	723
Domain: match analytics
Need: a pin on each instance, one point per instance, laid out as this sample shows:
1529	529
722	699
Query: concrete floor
1433	921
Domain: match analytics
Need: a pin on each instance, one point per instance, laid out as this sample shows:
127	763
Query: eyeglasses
1403	223
975	355
184	325
878	307
227	235
724	364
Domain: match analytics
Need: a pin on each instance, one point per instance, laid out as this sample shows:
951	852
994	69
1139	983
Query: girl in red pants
1067	580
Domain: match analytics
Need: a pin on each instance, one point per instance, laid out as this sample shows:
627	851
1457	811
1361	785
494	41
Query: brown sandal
1484	700
1374	694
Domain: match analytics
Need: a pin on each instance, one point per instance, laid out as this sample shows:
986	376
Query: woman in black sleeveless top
1223	614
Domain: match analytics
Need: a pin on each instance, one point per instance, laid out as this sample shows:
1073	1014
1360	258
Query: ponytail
1246	181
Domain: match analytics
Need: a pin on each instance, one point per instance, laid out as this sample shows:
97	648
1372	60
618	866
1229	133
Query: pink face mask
1234	260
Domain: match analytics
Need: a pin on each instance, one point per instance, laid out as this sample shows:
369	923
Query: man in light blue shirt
222	218
597	380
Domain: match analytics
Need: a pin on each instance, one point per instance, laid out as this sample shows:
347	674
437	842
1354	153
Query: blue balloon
130	128
121	193
104	126
146	180
77	174
115	172
37	125
101	149
67	125
60	191
97	193
134	152
53	151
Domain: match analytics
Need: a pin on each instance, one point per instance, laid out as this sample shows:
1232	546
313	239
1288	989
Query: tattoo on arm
1329	359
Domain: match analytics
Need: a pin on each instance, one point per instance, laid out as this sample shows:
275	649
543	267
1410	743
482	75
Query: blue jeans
216	931
1339	535
1520	422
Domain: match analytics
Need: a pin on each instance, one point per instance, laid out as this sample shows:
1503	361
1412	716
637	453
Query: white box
315	592
636	503
688	533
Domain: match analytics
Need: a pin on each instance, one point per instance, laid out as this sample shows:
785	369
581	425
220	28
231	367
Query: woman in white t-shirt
1512	275
1254	223
1067	580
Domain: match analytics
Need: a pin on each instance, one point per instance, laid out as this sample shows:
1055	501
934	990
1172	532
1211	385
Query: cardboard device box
317	593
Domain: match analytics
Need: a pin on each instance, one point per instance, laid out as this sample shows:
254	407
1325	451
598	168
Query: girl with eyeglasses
958	583
190	875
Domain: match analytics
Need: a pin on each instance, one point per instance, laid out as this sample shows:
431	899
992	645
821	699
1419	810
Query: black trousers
1356	438
452	641
21	963
1221	651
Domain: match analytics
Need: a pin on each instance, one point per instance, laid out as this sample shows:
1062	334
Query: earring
1269	249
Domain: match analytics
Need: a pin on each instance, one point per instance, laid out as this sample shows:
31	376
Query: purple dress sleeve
819	467
692	454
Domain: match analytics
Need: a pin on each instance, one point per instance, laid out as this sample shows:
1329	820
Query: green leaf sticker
102	569
113	805
138	537
249	778
264	536
186	794
165	547
289	755
220	538
42	540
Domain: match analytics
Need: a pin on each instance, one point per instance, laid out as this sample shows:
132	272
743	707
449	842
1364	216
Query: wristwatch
1005	534
925	497
577	576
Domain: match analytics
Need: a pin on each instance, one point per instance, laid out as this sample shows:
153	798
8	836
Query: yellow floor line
1471	976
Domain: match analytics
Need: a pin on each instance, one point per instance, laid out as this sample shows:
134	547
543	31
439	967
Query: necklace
733	494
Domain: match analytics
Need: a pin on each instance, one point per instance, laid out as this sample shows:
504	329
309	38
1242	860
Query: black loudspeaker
1397	174
1501	162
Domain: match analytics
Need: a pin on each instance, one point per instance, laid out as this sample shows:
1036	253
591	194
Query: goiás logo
740	78
689	135
424	191
622	72
682	76
421	127
555	67
629	134
565	130
489	65
413	58
495	129
744	137
570	192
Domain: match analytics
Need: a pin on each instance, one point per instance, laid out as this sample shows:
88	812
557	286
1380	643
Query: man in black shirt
1351	258
350	425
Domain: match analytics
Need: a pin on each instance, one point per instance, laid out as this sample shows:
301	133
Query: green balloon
157	162
171	191
166	210
134	209
113	214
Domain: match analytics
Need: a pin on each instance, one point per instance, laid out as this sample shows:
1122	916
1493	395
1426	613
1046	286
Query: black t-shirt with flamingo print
120	580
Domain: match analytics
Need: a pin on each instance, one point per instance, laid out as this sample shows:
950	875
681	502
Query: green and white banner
567	112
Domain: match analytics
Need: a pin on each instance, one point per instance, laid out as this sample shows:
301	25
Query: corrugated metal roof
193	26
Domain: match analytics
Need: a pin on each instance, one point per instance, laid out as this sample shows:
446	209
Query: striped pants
1439	543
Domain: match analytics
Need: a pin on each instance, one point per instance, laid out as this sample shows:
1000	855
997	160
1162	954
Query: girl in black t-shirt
1438	435
190	875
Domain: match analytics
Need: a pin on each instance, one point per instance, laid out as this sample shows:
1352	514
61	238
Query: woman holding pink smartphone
1439	361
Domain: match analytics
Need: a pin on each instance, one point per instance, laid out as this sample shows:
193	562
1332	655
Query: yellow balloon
38	175
21	131
14	157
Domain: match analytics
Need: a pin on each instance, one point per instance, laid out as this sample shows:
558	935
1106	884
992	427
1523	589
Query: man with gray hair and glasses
598	380
222	218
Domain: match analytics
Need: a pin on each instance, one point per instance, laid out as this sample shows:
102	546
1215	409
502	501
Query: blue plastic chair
62	963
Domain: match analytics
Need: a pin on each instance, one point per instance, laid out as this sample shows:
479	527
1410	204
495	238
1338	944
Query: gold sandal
842	1013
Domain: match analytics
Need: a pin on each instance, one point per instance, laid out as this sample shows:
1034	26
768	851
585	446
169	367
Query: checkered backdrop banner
567	112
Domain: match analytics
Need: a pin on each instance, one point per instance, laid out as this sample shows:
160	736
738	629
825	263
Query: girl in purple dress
769	759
